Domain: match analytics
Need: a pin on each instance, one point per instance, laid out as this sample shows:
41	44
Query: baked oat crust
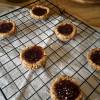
66	37
37	64
54	82
44	16
94	65
9	33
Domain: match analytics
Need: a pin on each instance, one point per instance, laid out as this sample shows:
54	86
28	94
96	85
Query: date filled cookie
33	57
65	88
65	31
39	12
7	28
93	58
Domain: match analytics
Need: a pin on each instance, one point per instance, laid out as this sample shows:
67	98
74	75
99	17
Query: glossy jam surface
66	90
65	29
39	11
34	54
96	57
5	27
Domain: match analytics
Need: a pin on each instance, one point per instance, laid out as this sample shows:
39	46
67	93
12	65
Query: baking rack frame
65	15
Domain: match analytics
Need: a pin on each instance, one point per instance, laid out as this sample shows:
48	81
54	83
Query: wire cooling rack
63	58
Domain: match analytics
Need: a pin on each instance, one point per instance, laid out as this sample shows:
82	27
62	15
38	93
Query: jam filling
65	29
39	11
33	55
95	57
5	27
66	90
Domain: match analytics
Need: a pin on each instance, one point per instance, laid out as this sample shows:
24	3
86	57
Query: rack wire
63	58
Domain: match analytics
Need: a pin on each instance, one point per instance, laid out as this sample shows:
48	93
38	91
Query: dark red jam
65	29
34	54
39	11
95	57
67	90
5	27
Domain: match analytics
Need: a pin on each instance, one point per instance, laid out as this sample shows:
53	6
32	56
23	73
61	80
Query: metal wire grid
63	58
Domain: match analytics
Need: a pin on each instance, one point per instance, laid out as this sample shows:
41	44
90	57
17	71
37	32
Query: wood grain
87	1
89	13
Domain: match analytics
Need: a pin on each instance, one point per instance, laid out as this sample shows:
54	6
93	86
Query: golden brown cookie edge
11	32
36	65
63	77
93	65
45	16
67	37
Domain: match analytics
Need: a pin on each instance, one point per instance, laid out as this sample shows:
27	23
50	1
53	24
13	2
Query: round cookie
93	58
65	88
7	28
65	31
33	57
39	12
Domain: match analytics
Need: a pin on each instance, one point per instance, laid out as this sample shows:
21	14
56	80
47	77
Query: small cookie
93	58
65	88
39	12
65	31
7	28
33	57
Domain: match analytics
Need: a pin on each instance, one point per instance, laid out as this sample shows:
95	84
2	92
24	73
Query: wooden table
88	13
6	6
